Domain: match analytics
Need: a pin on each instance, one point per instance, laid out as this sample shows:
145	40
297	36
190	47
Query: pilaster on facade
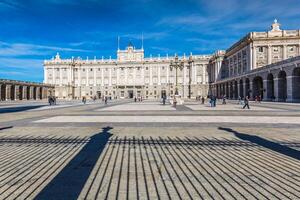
289	87
269	54
95	76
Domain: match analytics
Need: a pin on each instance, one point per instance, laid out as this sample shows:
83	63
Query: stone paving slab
172	119
227	107
138	107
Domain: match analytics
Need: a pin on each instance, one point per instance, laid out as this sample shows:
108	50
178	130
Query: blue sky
34	30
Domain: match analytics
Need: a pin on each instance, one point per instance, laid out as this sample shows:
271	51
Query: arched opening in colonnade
3	93
258	87
28	92
296	84
236	92
282	86
41	93
20	92
241	89
247	88
34	93
227	90
13	92
231	90
270	87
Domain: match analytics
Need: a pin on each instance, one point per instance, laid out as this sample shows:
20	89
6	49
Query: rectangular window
260	49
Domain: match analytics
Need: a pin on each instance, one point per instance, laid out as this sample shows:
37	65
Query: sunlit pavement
146	150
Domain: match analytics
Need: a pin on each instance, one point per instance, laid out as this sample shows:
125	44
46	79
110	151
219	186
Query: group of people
138	99
52	100
104	98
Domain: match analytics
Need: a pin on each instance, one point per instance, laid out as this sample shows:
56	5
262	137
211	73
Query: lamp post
177	65
190	62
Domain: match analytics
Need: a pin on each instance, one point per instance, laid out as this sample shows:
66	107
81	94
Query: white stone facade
130	75
255	50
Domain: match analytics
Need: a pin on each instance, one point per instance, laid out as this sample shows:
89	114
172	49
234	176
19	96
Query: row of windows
276	49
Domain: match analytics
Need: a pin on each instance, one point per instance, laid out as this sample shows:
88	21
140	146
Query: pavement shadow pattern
114	167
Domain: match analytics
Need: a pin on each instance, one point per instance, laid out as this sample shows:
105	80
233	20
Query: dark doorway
258	88
296	84
163	94
241	89
3	93
130	94
270	87
248	91
21	92
13	92
282	87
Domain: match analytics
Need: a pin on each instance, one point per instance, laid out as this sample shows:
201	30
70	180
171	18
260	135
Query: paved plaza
146	150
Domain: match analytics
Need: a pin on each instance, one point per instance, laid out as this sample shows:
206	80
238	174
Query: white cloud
23	49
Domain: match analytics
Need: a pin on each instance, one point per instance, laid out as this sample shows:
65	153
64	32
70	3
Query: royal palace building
260	64
130	75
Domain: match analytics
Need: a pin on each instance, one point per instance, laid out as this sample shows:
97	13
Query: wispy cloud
23	49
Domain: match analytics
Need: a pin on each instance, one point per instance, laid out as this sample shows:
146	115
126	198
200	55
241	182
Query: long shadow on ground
71	180
285	150
18	109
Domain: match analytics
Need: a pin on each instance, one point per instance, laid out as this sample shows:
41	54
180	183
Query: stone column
87	76
168	75
151	82
143	76
37	93
244	88
24	92
269	54
250	59
109	78
79	77
118	75
16	92
276	88
289	85
195	73
158	75
265	85
203	74
238	88
8	92
126	76
31	89
102	77
53	76
61	78
254	57
0	92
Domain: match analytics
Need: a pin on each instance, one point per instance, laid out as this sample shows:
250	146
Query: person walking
224	99
83	100
214	101
240	100
105	100
174	102
202	100
246	102
164	100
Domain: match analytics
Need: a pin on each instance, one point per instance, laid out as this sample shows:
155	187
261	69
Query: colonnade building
265	64
130	75
24	90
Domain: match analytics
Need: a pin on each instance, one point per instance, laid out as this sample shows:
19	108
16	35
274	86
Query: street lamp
190	62
177	65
